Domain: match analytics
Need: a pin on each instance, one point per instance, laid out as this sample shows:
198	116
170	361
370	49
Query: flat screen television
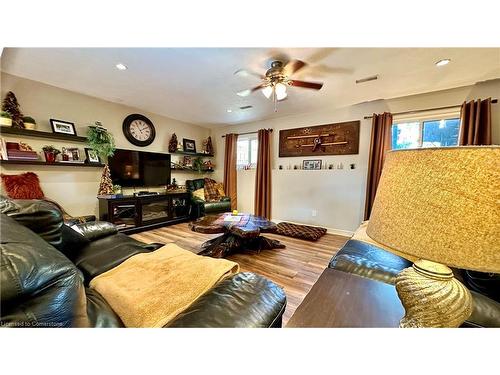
132	168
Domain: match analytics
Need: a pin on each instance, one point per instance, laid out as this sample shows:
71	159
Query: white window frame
248	138
422	117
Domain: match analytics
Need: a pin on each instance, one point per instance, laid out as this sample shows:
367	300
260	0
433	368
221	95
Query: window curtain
475	123
262	206
230	169
379	145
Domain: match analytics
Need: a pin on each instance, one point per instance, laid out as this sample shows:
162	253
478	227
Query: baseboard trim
339	232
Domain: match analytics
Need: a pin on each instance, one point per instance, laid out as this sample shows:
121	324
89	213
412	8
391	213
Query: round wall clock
139	130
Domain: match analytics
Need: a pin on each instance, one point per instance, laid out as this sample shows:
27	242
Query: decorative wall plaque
331	139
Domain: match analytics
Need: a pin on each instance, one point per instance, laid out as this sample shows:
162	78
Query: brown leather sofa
46	266
367	260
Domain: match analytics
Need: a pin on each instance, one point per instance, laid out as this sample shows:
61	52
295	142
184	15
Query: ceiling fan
276	80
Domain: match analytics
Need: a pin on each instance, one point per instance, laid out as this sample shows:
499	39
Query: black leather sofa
367	260
199	207
46	267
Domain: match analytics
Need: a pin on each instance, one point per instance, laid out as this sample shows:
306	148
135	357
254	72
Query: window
246	152
428	131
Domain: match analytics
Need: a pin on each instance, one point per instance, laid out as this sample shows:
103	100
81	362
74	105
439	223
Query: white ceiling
197	85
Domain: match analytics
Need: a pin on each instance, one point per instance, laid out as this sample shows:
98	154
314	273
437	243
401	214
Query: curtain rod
271	130
493	101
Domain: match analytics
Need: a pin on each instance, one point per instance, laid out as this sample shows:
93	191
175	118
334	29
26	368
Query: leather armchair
372	262
44	286
200	207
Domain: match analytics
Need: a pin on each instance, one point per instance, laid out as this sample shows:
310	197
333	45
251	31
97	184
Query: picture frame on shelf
71	154
311	164
188	145
92	157
187	161
62	127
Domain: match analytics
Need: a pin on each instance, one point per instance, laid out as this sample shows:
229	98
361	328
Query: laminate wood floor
295	268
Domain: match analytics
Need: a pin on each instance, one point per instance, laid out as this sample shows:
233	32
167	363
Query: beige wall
337	196
76	188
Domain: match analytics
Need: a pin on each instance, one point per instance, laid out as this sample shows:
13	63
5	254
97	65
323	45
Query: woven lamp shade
441	204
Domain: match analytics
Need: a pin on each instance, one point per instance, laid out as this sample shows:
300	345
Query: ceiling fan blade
307	85
293	66
249	91
248	73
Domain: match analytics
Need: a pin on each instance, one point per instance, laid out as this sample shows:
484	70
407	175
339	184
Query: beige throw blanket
149	290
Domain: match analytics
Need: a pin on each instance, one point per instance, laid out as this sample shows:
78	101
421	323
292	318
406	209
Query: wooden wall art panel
331	139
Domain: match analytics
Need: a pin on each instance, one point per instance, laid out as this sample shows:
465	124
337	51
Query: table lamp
442	206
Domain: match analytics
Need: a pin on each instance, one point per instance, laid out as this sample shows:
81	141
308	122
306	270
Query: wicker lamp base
432	297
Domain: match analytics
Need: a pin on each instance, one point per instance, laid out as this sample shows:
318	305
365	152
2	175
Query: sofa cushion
199	194
39	286
95	229
304	232
72	241
100	313
364	259
105	253
42	217
244	300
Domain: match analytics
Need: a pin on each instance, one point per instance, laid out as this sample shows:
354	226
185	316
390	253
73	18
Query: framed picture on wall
189	145
62	127
311	164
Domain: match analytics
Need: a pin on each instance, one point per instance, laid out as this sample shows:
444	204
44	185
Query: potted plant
5	118
102	142
29	122
50	153
198	164
117	189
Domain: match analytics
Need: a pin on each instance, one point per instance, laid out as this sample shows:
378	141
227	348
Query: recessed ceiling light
443	62
229	110
120	66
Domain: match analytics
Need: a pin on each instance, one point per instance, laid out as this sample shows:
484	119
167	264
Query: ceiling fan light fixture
280	89
267	91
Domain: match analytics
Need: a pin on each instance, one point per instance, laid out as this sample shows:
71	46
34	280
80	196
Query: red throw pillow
22	186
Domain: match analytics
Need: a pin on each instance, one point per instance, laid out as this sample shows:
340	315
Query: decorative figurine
172	145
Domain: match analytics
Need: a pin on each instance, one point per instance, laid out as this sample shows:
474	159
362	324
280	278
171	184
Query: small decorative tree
11	106
106	184
102	142
210	148
172	145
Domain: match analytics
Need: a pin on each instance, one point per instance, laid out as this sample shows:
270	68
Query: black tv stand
140	212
